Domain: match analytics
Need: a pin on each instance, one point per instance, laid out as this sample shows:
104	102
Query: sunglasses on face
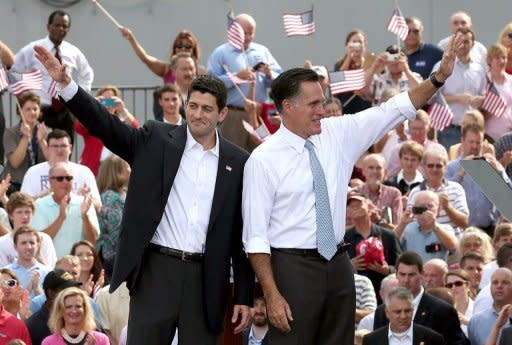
458	283
437	166
414	31
61	178
10	282
418	209
509	35
184	46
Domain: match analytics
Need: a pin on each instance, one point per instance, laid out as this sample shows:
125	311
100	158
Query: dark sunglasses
61	178
184	46
414	31
509	35
458	283
10	282
437	166
418	209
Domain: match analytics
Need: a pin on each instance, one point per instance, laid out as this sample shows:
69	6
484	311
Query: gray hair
400	293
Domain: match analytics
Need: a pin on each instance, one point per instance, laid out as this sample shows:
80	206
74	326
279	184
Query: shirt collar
416	300
406	334
193	144
293	139
417	179
180	122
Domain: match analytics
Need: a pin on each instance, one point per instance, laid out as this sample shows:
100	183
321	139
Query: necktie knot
309	146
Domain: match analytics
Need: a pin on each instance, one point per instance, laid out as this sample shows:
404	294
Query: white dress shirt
278	199
416	301
404	338
77	65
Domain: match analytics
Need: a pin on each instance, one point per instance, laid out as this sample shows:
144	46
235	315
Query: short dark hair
17	200
168	88
466	30
471	256
410	259
59	13
504	255
26	97
25	230
287	84
212	85
58	134
473	128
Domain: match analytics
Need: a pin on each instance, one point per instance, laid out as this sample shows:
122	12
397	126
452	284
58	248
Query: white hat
321	71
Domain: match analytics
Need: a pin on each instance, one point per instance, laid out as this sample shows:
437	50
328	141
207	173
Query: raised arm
7	55
156	66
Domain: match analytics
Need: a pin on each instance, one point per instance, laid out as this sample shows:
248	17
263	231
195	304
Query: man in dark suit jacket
185	192
431	312
258	332
399	310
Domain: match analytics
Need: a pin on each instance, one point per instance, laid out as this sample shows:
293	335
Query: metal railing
137	99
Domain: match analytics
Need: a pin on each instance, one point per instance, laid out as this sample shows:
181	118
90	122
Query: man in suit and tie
428	311
182	222
401	330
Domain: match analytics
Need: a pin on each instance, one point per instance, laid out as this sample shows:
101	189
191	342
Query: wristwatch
437	84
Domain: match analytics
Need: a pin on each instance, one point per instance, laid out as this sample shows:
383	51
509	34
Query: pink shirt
56	339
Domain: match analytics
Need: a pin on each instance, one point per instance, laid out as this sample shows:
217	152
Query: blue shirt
481	324
236	61
482	212
414	239
423	60
23	274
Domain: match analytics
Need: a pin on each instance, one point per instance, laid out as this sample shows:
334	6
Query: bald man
434	271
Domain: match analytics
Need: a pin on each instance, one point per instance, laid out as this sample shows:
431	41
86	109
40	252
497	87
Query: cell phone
108	102
258	66
433	248
418	209
355	45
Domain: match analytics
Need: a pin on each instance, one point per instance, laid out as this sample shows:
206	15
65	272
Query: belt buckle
183	256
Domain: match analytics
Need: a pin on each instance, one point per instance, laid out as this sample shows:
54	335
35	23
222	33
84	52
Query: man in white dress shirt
54	113
307	302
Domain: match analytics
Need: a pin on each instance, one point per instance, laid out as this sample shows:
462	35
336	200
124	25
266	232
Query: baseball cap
320	70
59	279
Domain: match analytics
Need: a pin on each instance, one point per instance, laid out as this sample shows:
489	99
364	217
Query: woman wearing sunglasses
16	300
458	283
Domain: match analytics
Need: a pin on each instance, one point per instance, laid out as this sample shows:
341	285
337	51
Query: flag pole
311	36
15	97
109	16
234	84
397	38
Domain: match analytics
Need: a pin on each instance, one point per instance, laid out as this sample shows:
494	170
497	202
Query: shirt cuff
257	245
69	91
405	105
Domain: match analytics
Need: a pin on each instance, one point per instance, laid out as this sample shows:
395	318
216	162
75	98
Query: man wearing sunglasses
425	235
10	327
64	215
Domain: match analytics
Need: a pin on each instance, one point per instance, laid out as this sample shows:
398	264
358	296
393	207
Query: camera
433	248
355	45
393	57
108	102
418	209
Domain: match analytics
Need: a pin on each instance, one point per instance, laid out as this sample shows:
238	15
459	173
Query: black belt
175	253
342	247
233	107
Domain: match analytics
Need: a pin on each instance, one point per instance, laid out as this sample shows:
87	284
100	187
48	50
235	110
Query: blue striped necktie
326	241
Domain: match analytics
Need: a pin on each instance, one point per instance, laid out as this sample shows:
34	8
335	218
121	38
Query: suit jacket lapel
173	152
422	312
223	174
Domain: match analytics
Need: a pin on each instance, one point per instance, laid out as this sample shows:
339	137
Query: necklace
77	340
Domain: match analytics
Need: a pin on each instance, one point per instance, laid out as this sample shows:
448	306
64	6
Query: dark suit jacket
434	314
245	338
419	334
506	336
154	153
402	186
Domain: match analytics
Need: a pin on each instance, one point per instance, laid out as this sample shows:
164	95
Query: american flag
397	24
493	102
440	113
344	81
299	24
21	82
234	78
52	90
3	79
236	35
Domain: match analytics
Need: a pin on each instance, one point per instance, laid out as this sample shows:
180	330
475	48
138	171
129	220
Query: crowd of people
361	228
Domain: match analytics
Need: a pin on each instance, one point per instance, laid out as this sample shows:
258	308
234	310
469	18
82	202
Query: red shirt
12	328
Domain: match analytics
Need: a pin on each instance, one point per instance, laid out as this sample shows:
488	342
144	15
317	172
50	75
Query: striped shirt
365	295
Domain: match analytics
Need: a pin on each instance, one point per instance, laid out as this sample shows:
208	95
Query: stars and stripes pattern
52	90
441	115
344	81
299	24
21	82
397	24
493	102
236	35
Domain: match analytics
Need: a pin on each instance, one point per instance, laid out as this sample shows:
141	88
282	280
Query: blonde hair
109	174
56	321
476	116
105	88
504	32
486	249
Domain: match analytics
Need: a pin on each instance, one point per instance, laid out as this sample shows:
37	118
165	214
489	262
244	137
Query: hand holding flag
493	102
441	115
397	24
21	82
344	81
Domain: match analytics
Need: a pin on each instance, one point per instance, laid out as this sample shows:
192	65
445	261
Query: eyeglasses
61	178
437	166
414	31
418	209
184	46
458	283
10	282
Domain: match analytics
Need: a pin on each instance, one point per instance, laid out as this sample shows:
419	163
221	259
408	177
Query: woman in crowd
355	58
25	143
458	282
185	42
94	151
91	271
15	300
113	184
72	320
497	57
506	39
475	240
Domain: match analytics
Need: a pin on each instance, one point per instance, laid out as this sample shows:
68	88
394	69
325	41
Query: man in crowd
464	89
169	99
401	330
504	152
428	311
55	115
157	255
473	264
257	333
366	300
386	286
502	235
184	71
64	215
292	207
255	63
408	176
434	272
